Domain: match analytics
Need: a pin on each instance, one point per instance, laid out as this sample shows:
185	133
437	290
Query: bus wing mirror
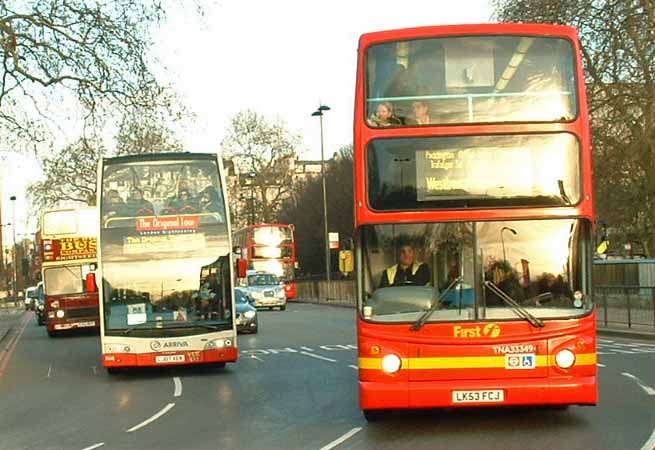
91	285
242	268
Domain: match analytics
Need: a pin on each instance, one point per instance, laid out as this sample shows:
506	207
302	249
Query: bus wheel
373	415
283	308
218	365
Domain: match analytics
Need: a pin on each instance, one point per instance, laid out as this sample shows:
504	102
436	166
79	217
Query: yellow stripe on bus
470	362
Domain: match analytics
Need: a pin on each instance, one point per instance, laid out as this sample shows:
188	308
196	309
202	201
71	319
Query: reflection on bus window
470	79
410	268
161	188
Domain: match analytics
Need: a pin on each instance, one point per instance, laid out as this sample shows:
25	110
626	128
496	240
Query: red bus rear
474	217
271	248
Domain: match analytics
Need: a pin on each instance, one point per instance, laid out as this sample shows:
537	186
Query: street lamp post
319	113
13	228
252	176
502	241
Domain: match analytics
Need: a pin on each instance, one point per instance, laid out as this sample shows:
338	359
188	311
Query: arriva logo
156	345
489	330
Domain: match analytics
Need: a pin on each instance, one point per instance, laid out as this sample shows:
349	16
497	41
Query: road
295	387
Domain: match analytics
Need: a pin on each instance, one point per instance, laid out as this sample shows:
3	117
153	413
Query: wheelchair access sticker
520	361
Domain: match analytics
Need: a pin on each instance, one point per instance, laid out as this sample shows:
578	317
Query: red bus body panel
224	355
434	361
80	311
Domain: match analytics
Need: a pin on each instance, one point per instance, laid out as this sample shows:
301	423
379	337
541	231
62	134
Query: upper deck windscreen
475	79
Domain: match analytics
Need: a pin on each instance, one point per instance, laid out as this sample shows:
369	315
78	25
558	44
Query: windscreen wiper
520	310
426	315
201	325
562	192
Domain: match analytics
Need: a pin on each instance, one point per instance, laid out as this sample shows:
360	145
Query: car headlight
40	307
256	294
565	358
60	313
249	314
391	363
218	343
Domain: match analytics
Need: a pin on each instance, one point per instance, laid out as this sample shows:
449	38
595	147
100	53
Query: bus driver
408	272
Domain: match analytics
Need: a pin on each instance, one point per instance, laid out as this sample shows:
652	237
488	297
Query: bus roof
159	157
469	29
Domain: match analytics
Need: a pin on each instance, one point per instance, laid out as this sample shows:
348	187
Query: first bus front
165	262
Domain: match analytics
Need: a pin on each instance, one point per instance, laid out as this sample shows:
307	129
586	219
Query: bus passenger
408	272
421	113
114	204
138	205
384	116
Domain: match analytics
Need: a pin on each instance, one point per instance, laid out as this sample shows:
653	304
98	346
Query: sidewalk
9	318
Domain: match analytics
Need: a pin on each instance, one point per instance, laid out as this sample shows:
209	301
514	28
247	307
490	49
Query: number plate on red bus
490	396
161	359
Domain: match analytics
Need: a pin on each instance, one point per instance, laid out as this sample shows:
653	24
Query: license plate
85	324
269	294
490	396
169	358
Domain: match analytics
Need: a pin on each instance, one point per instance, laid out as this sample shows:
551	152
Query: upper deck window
481	79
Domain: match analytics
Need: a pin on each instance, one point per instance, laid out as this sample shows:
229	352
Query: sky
282	59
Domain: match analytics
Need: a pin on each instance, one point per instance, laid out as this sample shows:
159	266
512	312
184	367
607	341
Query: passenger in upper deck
114	205
407	272
139	206
421	113
182	202
209	201
384	116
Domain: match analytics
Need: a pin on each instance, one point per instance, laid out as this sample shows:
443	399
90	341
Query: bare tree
618	40
95	52
70	174
266	150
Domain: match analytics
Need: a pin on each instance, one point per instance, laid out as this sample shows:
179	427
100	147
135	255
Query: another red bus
271	248
69	260
474	218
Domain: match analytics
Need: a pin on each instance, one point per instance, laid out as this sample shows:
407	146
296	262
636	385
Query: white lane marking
353	367
318	356
650	443
99	444
152	419
649	390
94	370
341	439
601	365
306	349
49	370
178	386
256	357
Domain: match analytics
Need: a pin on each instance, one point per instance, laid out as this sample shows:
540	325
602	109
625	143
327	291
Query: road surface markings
601	365
312	355
256	357
650	443
353	367
99	444
49	370
164	410
342	439
307	349
649	390
9	350
178	387
94	370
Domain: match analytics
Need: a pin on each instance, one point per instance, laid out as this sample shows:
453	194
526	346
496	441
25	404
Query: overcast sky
281	58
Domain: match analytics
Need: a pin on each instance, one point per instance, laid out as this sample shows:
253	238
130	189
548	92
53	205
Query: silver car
267	291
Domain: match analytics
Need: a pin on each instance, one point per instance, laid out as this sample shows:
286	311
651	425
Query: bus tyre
373	415
218	365
283	308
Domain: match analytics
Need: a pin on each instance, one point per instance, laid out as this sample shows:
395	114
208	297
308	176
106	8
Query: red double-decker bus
474	218
271	248
69	259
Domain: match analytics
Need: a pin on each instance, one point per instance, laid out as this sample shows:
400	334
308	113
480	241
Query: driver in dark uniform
408	272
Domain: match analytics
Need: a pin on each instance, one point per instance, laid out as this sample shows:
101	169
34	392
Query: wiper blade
521	311
426	315
562	193
201	325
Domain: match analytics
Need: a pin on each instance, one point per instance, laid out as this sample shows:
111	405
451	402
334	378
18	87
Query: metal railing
630	306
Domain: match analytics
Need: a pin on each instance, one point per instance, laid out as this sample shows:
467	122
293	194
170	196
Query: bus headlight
117	348
60	313
218	343
249	314
391	363
565	358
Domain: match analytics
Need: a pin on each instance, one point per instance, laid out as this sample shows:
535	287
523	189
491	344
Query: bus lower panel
435	394
78	323
223	355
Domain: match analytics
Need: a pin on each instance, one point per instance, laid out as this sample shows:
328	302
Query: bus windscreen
474	79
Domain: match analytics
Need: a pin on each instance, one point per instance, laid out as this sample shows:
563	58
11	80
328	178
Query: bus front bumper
223	355
376	395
